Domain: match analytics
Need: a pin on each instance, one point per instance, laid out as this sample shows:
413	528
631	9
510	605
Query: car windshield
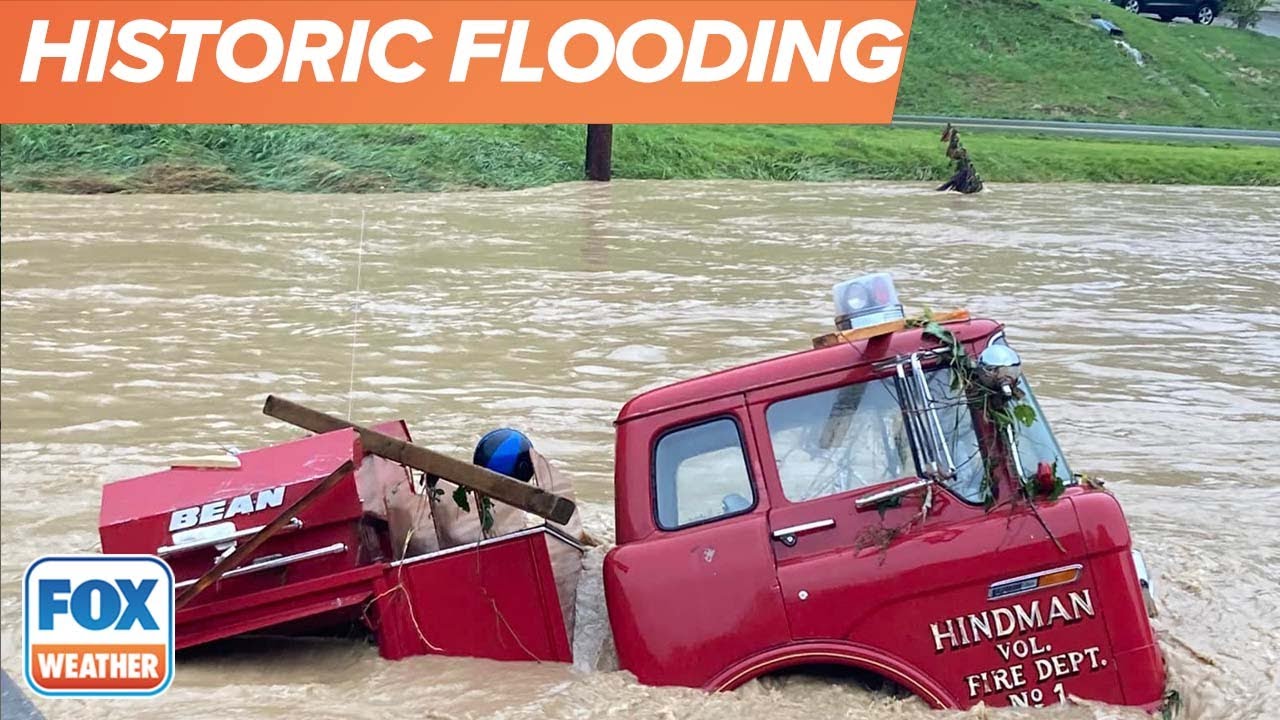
854	436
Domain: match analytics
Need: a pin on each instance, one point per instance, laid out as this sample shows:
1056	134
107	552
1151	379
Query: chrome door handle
788	535
868	501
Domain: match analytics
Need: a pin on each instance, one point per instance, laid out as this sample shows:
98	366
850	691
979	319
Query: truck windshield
1036	443
854	436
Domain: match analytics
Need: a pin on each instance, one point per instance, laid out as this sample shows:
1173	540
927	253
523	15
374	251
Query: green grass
999	58
400	158
1043	59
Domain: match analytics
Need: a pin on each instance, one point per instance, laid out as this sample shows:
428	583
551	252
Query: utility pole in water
599	165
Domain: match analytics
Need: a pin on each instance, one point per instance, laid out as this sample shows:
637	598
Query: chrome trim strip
893	492
1031	576
1139	564
564	536
275	563
803	528
1146	582
540	529
294	524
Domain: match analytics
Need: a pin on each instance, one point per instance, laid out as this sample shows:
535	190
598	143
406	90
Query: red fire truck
891	501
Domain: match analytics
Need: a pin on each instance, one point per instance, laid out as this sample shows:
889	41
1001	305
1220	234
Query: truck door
860	566
698	592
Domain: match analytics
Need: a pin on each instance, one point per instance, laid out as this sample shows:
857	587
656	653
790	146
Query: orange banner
603	61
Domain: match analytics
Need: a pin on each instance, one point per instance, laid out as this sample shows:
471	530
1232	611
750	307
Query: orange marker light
1034	581
1061	577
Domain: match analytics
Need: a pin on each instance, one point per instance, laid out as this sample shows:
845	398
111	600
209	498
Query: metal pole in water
355	320
599	165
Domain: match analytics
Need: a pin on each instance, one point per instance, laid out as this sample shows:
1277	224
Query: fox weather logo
98	625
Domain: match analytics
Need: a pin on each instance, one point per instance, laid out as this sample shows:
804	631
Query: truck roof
795	366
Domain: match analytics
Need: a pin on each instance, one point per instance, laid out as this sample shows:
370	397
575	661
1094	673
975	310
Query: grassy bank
995	58
1043	59
302	158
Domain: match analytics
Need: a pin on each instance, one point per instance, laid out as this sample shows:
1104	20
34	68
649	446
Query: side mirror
999	368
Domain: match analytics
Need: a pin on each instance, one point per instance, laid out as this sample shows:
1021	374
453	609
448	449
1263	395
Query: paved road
1105	130
1270	23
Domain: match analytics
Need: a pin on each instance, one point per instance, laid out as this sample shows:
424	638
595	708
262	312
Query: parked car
1201	12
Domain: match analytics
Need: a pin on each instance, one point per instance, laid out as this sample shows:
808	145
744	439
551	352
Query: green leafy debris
887	504
460	499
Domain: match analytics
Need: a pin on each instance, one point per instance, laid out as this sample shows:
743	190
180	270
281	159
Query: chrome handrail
163	550
274	562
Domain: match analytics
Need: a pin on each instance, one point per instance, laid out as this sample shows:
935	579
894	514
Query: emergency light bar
865	301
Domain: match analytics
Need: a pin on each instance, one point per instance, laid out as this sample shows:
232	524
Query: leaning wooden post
599	164
524	496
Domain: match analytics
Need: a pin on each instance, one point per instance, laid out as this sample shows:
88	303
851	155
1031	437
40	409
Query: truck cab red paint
944	602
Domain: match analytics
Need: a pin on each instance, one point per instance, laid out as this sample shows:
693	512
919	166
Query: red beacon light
866	301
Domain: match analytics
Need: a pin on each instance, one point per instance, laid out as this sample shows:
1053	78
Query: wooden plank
524	496
847	336
255	541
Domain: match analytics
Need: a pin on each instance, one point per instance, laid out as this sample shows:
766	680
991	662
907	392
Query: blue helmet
507	452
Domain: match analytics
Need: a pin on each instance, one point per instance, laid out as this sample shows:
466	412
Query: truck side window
851	437
700	473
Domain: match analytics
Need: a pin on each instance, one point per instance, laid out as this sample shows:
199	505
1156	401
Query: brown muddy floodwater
140	328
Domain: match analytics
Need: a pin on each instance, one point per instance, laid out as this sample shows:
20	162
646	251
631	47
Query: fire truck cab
892	500
853	505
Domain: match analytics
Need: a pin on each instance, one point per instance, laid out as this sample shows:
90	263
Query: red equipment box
494	599
191	516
